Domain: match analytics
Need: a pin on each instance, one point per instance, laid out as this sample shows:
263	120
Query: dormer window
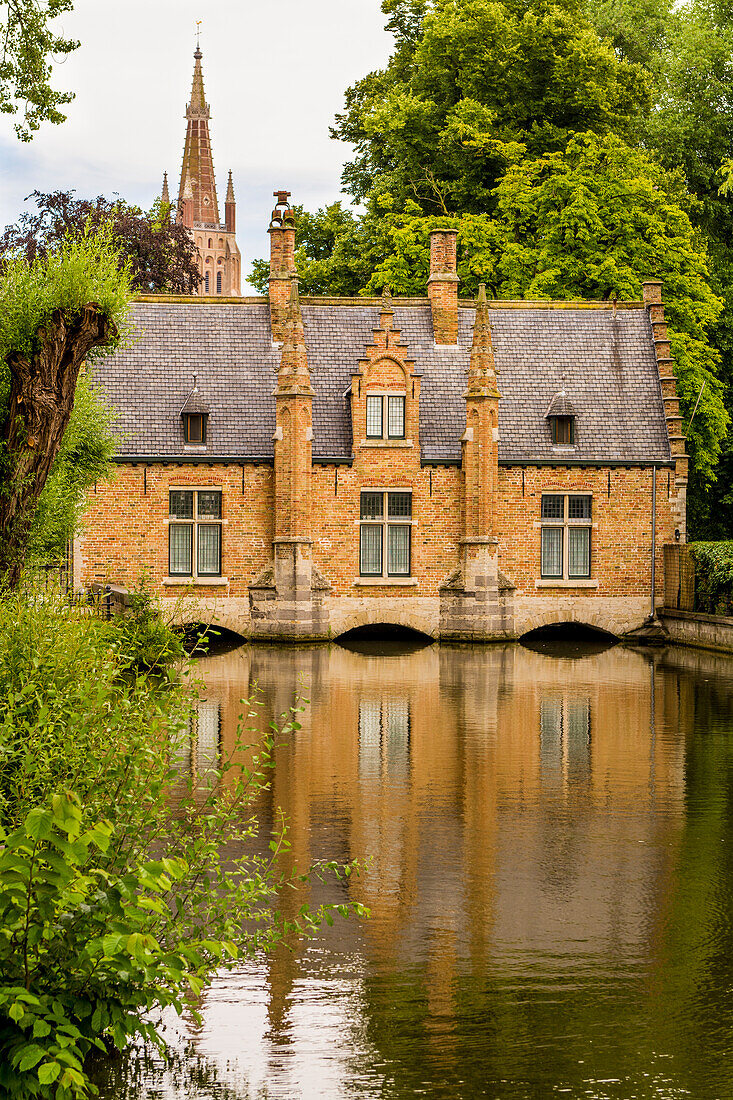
195	415
385	416
561	417
194	427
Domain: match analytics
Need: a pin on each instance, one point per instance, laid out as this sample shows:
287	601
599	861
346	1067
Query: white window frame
566	524
385	522
385	396
194	523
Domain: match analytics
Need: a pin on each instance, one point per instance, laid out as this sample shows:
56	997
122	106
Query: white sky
274	75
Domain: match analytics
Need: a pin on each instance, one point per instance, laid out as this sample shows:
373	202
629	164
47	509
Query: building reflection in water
516	812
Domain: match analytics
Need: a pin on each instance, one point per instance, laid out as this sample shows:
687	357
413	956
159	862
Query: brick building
295	468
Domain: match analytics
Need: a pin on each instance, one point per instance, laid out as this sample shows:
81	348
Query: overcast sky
274	74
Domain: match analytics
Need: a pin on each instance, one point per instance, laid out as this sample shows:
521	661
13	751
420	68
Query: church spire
164	196
197	159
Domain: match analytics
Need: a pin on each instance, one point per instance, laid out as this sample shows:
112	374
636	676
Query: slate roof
604	361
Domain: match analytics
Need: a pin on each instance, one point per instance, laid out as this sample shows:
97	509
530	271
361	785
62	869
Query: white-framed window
566	535
385	416
385	533
194	533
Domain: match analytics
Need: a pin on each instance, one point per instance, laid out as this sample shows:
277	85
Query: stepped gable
603	359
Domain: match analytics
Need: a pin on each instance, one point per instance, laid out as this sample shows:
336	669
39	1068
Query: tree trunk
42	392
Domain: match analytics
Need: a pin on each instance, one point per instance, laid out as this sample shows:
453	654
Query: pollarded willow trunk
42	392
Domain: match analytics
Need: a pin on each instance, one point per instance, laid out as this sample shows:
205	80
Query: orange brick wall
621	535
126	533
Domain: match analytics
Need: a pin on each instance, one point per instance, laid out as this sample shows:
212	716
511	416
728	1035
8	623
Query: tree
28	42
54	311
159	253
473	85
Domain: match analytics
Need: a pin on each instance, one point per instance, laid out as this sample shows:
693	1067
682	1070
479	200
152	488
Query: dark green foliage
30	45
713	577
124	884
144	639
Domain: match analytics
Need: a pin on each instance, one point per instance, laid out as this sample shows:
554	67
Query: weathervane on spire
198	34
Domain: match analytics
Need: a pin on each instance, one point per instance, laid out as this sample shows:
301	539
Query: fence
699	577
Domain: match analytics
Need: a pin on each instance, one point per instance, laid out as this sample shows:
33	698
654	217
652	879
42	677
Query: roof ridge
464	303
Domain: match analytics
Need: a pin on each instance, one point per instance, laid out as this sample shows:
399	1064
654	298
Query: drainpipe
654	537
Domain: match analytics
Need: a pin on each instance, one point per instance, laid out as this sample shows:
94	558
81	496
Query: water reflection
548	846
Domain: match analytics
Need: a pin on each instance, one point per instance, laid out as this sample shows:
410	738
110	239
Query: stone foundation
320	616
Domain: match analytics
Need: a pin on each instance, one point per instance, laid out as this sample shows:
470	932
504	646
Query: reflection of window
197	746
384	737
385	416
194	533
565	533
564	735
384	537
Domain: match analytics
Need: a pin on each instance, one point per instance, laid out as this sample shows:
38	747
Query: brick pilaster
652	296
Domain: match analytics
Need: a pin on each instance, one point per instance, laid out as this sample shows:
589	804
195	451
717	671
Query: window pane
372	505
399	505
579	551
562	429
396	417
210	504
552	551
194	428
552	507
179	549
399	550
181	503
371	550
209	539
579	507
374	417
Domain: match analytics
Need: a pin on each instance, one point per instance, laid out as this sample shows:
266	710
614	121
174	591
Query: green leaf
48	1072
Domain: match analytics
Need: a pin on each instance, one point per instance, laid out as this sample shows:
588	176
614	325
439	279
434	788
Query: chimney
443	285
230	206
282	262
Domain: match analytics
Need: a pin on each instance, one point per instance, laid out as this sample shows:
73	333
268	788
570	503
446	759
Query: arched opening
208	639
384	640
568	640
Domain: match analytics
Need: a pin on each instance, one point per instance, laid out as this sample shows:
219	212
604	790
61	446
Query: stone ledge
198	582
384	582
566	584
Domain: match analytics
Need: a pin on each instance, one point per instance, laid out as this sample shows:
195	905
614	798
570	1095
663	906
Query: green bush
145	639
713	577
116	895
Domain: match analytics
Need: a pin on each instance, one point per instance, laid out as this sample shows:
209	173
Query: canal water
548	840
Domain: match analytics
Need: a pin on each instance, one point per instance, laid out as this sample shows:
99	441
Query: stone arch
596	618
422	622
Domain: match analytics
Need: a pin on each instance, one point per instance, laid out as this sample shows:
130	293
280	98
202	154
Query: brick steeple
197	159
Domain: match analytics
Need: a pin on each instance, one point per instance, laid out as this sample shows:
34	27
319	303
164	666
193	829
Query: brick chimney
443	285
282	262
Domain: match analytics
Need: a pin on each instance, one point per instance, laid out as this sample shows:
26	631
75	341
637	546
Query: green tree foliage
479	84
331	253
158	254
125	881
29	44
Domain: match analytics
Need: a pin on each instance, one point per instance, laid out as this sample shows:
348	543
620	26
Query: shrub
116	897
713	577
